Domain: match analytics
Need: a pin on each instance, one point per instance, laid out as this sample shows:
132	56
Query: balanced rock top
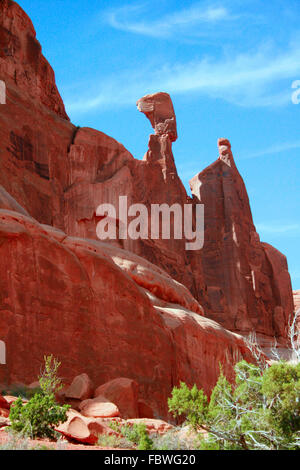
158	108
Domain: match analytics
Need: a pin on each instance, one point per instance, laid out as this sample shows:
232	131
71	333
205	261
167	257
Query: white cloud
295	275
252	80
278	228
278	148
168	25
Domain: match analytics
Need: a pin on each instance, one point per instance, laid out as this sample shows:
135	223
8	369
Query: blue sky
228	65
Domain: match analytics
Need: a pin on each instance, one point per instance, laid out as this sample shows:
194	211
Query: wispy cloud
172	23
251	80
279	148
295	274
277	228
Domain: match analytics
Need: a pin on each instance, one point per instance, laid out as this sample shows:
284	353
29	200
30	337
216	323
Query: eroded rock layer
248	282
93	307
142	309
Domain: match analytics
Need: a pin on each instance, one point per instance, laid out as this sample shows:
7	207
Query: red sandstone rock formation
247	281
69	297
131	308
22	62
35	132
158	108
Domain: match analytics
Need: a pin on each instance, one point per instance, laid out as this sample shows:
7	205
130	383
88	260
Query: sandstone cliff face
35	133
101	170
248	283
21	59
143	309
103	311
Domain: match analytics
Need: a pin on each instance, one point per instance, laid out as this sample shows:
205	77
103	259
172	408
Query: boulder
124	393
81	388
4	412
4	422
82	429
4	403
11	400
99	407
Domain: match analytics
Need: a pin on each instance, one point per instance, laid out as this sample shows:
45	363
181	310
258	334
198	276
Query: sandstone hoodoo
247	282
131	317
159	110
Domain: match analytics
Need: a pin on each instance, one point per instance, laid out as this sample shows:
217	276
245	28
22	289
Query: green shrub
49	381
144	443
281	389
260	411
40	416
137	434
116	442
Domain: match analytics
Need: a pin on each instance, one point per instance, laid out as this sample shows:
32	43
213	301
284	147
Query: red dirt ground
64	444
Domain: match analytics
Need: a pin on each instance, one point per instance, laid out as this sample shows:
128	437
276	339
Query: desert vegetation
260	410
41	414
